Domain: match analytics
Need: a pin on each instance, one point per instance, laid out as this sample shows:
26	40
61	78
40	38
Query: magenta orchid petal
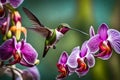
29	53
16	3
82	73
93	43
116	45
35	73
31	73
24	63
90	60
6	49
72	59
102	31
2	21
84	49
114	38
103	56
71	70
91	31
63	58
112	33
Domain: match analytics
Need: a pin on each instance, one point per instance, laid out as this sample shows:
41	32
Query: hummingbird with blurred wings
52	35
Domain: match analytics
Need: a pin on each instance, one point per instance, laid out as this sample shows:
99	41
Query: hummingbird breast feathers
58	35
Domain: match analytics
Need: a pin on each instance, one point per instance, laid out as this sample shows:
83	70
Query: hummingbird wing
37	25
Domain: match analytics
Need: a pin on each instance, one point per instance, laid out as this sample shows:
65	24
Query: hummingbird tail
45	51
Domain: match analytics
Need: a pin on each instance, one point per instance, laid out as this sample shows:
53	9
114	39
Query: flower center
63	70
105	48
17	57
81	65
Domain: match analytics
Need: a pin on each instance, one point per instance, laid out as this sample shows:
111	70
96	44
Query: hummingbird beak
79	31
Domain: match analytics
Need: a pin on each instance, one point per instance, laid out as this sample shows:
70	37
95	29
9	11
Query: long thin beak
79	31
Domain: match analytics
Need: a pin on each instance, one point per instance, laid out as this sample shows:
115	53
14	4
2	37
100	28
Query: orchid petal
35	73
84	50
63	58
24	63
16	3
2	21
90	60
105	50
103	31
29	53
103	55
112	33
93	43
71	70
91	31
72	59
30	74
6	49
80	74
114	38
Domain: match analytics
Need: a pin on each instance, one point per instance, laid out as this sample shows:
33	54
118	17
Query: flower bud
16	16
9	34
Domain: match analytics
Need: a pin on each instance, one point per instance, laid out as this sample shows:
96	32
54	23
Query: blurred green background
80	14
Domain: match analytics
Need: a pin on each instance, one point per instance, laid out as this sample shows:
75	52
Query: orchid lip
63	69
16	3
82	68
105	51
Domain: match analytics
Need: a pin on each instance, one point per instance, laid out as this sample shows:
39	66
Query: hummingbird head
63	28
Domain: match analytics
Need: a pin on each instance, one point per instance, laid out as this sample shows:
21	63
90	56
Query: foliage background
80	14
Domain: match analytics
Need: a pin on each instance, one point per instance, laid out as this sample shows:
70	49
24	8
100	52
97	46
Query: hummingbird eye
59	27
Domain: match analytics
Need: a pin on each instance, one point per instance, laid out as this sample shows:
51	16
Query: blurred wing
37	26
33	18
42	31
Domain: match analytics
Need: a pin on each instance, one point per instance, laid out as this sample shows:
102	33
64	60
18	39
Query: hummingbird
52	36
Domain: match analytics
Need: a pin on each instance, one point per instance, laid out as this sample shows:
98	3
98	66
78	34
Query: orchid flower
80	61
22	52
104	41
62	67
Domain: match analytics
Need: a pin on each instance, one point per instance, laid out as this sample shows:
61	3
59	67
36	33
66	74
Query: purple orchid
22	52
4	12
104	41
62	67
30	74
80	61
13	3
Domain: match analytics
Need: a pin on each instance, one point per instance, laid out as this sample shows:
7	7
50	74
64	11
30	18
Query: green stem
10	7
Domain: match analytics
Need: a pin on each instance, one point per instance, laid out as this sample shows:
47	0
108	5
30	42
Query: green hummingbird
52	35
